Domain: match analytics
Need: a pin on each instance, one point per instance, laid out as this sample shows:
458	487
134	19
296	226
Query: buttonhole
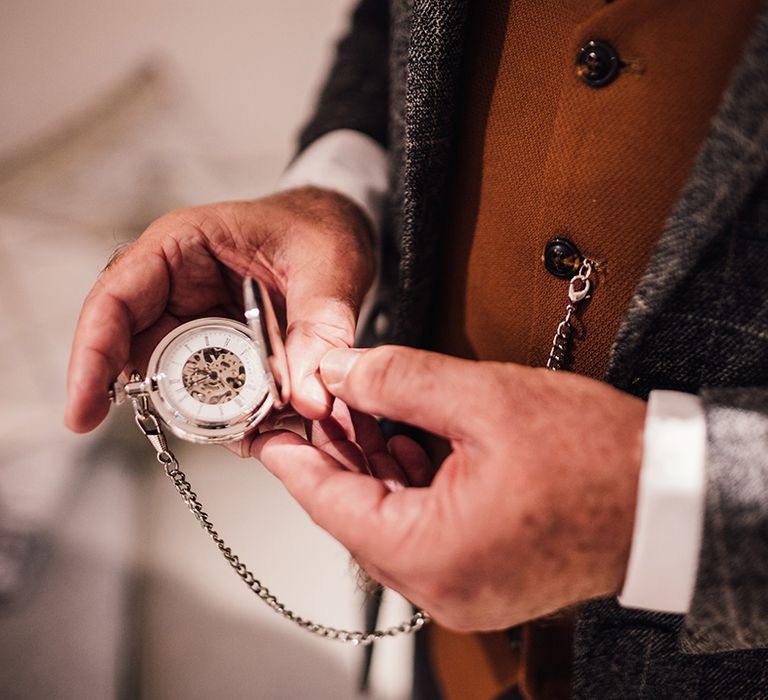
632	65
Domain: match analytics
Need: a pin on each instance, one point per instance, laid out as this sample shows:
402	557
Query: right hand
311	247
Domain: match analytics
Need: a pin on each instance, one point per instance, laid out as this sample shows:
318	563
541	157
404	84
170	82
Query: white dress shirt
664	554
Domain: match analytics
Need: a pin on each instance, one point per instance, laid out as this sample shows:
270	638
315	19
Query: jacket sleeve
729	610
355	93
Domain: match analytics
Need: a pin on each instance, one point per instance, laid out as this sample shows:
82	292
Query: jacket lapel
731	161
430	60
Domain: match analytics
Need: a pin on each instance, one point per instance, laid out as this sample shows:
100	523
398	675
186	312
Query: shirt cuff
664	555
348	162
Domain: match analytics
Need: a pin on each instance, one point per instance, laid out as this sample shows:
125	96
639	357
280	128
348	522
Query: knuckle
191	223
500	391
332	334
119	251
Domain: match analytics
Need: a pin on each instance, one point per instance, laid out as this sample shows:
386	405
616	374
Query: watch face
211	382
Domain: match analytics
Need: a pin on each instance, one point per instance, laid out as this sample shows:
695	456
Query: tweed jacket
698	322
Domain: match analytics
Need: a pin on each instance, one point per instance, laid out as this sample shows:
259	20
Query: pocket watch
216	380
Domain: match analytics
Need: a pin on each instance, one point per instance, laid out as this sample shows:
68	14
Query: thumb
425	389
323	298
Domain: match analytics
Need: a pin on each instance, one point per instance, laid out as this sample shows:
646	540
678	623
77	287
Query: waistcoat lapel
731	161
427	41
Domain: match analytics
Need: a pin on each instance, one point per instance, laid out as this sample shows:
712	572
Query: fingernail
336	364
313	390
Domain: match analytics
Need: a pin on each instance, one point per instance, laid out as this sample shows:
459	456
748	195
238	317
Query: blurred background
113	113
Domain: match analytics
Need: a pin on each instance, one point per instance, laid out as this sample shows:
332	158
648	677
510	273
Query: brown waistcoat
543	155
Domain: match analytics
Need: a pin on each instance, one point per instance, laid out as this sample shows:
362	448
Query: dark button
597	64
562	258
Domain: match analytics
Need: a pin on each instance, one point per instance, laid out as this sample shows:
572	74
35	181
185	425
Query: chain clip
580	285
579	290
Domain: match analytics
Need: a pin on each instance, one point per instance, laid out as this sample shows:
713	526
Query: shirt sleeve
666	541
348	162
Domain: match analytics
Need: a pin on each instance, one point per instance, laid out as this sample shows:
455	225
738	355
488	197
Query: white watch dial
209	376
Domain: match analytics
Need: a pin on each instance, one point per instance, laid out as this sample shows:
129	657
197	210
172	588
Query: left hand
531	512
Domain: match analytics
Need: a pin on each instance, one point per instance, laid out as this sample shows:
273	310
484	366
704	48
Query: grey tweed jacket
698	322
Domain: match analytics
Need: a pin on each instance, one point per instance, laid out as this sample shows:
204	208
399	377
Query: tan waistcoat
543	155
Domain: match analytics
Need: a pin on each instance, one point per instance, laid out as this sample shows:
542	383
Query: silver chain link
150	426
578	290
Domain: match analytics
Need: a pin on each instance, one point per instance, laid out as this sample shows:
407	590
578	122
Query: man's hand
311	248
531	512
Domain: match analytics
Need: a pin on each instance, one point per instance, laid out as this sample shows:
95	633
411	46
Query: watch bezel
195	431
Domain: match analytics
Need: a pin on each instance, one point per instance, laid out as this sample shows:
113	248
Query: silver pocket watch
216	380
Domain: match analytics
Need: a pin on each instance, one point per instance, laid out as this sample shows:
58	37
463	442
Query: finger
322	303
335	435
367	431
356	509
320	326
413	459
425	389
126	299
338	426
385	468
348	454
382	464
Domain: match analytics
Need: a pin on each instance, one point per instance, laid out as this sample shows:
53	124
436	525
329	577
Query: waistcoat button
561	258
597	64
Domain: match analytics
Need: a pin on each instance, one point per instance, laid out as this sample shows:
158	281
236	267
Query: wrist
326	207
348	162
